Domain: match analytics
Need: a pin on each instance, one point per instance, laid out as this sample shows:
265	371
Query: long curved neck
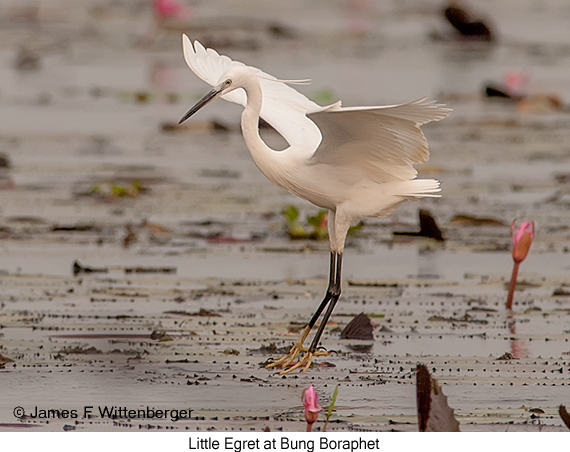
264	157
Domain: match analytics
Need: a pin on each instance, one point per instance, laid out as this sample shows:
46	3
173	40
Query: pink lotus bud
311	404
516	82
522	240
168	8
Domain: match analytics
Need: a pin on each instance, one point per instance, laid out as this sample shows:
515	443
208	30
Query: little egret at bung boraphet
356	162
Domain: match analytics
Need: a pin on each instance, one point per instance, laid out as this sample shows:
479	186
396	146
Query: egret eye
227	83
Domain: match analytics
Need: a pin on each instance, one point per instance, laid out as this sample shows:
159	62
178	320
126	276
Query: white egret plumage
356	162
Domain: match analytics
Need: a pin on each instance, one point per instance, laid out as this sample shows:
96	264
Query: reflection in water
163	77
360	348
427	262
518	346
358	16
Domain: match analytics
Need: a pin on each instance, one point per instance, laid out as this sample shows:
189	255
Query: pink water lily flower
168	9
522	239
312	408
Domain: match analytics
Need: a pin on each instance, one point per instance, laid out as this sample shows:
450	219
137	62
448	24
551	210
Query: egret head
230	80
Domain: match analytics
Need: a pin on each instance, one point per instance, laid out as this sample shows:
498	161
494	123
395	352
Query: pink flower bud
311	404
522	239
168	8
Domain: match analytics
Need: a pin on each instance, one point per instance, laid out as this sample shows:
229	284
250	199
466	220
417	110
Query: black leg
331	298
330	289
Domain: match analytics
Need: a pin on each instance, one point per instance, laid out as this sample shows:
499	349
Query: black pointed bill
205	100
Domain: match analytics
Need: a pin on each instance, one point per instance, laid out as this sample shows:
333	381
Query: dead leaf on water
78	350
466	318
434	414
352	282
360	327
469	220
4	360
506	356
428	227
564	415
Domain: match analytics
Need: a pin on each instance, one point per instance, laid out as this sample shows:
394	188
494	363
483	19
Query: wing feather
382	143
283	107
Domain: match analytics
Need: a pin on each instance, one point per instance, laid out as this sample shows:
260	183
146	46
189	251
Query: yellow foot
306	361
295	350
289	358
284	361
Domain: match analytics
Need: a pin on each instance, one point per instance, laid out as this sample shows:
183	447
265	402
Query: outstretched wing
381	142
283	107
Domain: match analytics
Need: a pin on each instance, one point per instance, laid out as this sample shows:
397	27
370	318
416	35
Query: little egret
356	162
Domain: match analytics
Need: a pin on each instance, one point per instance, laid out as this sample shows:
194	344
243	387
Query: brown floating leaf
5	360
4	161
78	268
270	349
423	396
562	178
214	125
326	364
428	227
359	327
495	91
79	350
466	318
506	356
564	415
540	103
157	335
352	282
434	414
468	220
536	410
360	348
141	269
201	313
